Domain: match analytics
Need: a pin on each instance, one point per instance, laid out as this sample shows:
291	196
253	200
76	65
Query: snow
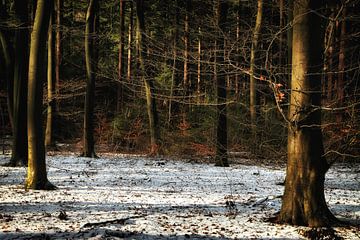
144	198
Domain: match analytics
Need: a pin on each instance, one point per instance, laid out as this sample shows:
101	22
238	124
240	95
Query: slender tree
37	175
221	157
254	46
58	47
149	84
121	64
303	201
130	40
19	153
51	81
91	64
341	75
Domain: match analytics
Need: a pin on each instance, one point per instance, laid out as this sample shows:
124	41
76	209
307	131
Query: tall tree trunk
130	35
186	46
37	175
8	62
58	49
91	64
19	154
173	105
341	75
221	158
254	46
198	86
149	85
49	142
303	201
121	64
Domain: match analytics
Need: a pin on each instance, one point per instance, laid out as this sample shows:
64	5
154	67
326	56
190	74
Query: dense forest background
184	49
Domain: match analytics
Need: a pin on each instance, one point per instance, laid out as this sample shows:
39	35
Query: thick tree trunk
91	63
121	64
148	83
19	154
37	176
49	142
303	200
254	46
221	158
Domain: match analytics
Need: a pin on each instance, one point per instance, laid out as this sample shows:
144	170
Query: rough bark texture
37	176
303	199
221	158
149	85
254	46
91	62
21	63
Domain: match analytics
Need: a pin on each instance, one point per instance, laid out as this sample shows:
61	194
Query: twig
114	221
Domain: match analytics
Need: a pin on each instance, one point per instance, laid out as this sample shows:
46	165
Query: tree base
16	162
45	185
89	155
222	164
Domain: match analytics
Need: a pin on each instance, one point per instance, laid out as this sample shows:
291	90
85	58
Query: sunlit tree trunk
221	158
37	175
148	83
19	154
91	63
130	35
49	142
121	64
303	201
254	46
198	85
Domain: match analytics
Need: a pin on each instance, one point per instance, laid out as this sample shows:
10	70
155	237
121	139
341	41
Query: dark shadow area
112	234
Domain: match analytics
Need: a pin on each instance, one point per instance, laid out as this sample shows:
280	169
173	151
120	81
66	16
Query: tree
148	83
254	46
221	136
121	65
91	64
58	47
303	201
37	175
21	63
51	86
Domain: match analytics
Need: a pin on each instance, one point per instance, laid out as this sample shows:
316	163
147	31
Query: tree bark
341	75
221	158
91	63
121	64
58	49
148	83
303	201
37	175
130	34
254	46
49	142
19	153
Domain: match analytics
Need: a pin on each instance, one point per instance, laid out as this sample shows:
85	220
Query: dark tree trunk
221	158
254	46
91	63
341	75
149	84
303	201
19	154
37	175
58	49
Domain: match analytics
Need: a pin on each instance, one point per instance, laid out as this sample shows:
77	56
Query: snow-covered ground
133	197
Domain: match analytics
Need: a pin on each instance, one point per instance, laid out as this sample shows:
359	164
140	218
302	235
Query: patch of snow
138	198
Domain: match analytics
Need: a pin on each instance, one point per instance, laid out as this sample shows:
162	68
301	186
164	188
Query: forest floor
134	197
